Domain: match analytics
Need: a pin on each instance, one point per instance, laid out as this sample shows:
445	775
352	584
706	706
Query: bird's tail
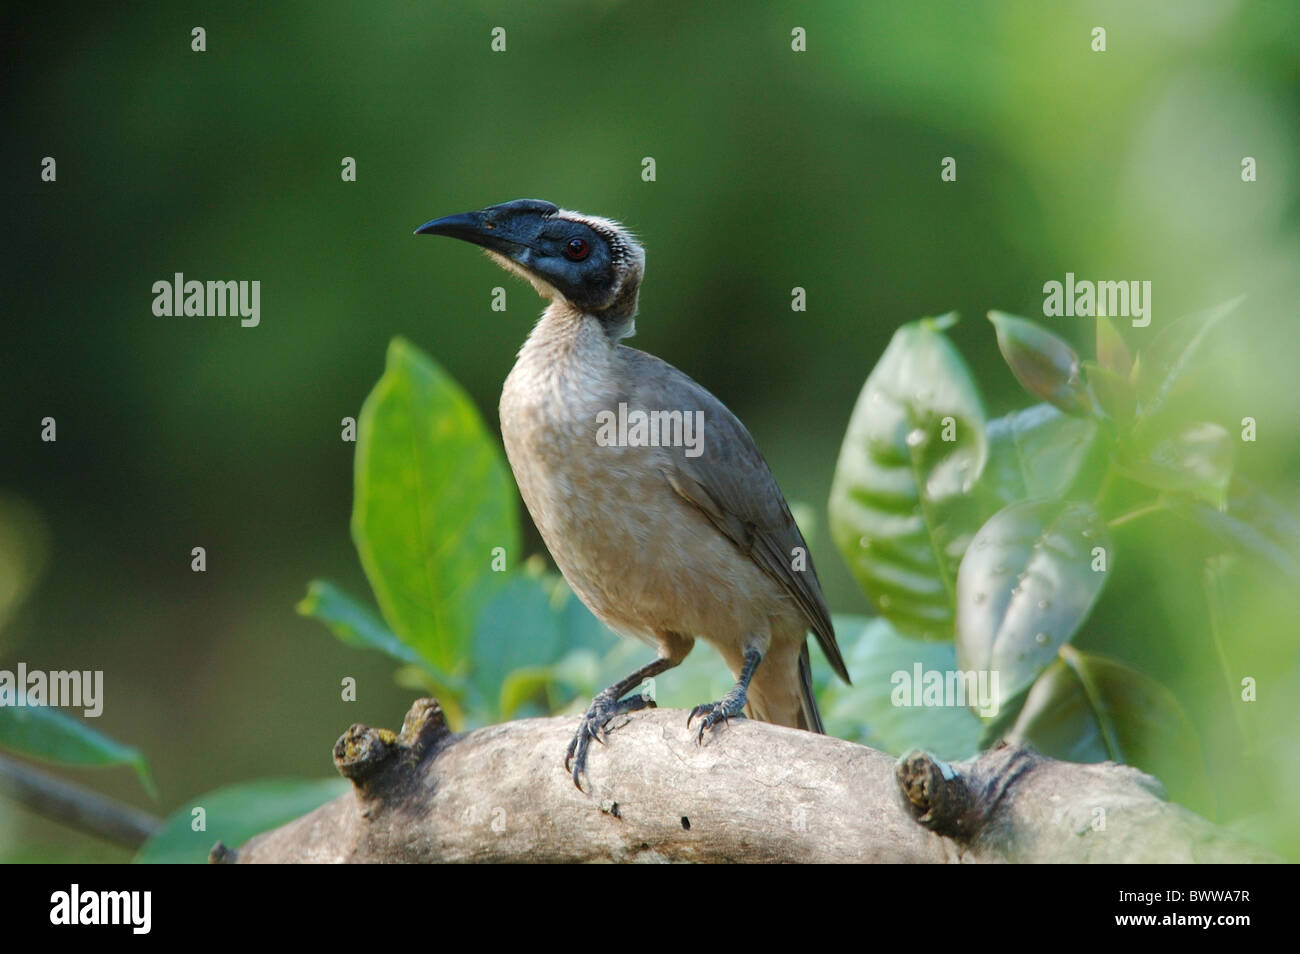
809	716
781	692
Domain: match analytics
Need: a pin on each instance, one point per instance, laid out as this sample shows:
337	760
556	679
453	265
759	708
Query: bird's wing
732	485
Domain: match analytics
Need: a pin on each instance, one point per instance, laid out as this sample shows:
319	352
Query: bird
666	536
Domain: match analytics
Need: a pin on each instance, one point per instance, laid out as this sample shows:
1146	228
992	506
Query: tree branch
751	792
78	807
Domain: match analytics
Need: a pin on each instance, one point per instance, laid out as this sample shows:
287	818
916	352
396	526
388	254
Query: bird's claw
713	713
595	725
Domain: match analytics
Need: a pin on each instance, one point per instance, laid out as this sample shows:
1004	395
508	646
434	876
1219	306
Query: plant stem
75	806
1107	482
1134	514
1216	597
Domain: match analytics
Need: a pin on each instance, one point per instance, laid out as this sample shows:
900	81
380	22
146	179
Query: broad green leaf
886	707
523	685
535	638
433	500
1035	452
234	814
581	628
1251	522
914	449
537	634
1196	458
353	623
1087	708
1026	584
1112	353
1042	362
1171	364
517	629
51	735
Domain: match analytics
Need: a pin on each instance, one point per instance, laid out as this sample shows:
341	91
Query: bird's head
592	263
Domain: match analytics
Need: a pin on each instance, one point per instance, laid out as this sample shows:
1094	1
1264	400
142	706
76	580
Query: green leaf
1025	586
898	500
234	814
1042	362
1087	708
1170	366
1251	522
353	623
1112	353
1114	393
518	629
53	736
582	630
876	711
523	685
537	640
1036	452
537	635
1196	458
433	499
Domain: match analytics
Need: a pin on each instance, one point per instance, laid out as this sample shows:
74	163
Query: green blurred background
774	169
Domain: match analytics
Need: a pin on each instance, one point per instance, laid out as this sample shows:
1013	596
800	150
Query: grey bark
751	792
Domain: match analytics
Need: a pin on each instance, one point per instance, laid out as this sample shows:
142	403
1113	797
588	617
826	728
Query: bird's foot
604	708
713	713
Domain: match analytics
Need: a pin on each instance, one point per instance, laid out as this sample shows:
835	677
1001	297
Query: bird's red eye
576	250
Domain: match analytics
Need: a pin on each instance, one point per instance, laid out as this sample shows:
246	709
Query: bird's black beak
508	228
470	226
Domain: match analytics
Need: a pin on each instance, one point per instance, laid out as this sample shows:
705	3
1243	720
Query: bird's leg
731	704
607	704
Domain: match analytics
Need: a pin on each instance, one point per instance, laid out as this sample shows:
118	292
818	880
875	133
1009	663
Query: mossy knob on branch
361	751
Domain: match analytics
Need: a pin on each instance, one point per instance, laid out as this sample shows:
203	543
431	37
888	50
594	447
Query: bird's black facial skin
569	256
